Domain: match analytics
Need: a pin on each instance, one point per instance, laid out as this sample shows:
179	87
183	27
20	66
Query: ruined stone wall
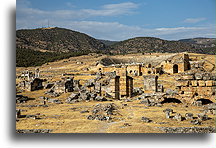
178	64
167	66
36	84
120	86
147	71
120	71
134	70
200	86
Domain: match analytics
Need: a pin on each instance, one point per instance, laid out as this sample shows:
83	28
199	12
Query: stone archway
171	100
202	101
175	68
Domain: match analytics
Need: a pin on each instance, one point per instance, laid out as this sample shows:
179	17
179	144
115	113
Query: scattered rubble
188	129
202	117
195	122
34	131
168	112
84	95
188	116
178	117
22	99
152	99
103	112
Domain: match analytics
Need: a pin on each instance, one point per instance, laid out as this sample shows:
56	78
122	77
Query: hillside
56	39
38	46
150	44
207	42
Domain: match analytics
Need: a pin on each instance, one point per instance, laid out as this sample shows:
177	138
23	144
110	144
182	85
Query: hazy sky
122	19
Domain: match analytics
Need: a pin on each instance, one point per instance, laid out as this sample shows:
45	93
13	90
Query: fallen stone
188	116
145	119
22	99
54	101
168	110
195	122
100	98
84	111
202	117
178	117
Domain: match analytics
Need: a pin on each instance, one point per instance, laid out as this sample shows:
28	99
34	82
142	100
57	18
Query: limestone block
209	83
178	83
194	82
184	83
187	77
201	83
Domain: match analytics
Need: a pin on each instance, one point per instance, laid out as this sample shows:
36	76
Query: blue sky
122	19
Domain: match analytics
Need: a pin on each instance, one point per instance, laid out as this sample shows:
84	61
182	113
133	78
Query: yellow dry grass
66	118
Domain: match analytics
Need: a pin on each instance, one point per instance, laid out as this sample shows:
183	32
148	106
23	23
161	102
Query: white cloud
70	5
106	10
179	28
112	9
118	31
194	20
28	17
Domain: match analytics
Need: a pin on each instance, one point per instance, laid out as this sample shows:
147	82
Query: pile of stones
188	116
103	112
21	99
210	108
52	93
84	96
152	99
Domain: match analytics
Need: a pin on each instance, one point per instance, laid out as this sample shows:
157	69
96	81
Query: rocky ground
108	117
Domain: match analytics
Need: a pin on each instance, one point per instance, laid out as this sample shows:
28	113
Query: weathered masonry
121	86
176	63
198	86
150	83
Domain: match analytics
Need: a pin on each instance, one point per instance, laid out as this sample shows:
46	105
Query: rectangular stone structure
150	82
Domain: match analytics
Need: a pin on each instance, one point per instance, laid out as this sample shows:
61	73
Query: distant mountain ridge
207	42
43	45
56	39
151	44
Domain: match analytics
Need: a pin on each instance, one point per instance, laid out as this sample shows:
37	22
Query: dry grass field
67	118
